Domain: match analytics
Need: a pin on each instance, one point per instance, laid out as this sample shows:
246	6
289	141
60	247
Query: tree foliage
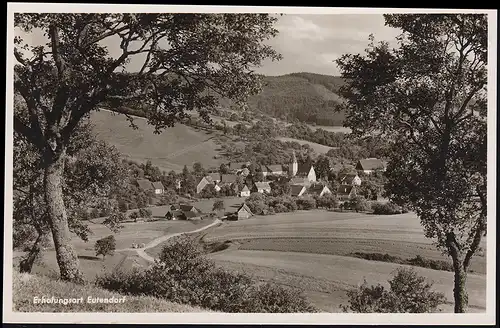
428	98
105	246
408	293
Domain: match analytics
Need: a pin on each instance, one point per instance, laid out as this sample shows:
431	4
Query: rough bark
459	290
65	253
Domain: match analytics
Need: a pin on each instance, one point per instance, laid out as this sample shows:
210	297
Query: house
297	190
274	169
158	187
216	177
204	182
237	167
345	192
350	179
319	190
244	212
307	171
228	178
368	165
144	184
262	187
183	212
245	192
299	181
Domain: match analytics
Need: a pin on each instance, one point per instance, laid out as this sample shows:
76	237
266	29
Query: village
300	181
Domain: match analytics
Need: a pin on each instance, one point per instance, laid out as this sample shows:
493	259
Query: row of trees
262	204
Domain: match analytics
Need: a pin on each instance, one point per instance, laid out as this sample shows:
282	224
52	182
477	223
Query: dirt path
155	242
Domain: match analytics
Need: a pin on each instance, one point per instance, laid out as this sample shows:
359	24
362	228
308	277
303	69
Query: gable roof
370	164
298	180
207	178
317	188
345	189
189	208
295	190
304	169
245	188
237	166
244	207
214	176
144	184
158	185
348	178
274	168
262	185
228	177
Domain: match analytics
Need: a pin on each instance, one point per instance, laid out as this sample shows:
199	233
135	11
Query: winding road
155	242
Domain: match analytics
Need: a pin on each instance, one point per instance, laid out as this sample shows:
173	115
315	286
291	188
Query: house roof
245	188
370	164
304	169
295	190
214	176
158	185
237	166
244	207
348	178
189	208
298	180
262	185
317	188
144	184
345	189
274	168
228	177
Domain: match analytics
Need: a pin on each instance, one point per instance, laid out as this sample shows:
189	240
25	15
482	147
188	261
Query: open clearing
318	148
170	150
140	232
307	249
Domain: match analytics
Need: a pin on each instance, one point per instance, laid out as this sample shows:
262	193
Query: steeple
294	166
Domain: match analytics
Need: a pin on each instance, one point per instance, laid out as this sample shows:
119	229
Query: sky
309	43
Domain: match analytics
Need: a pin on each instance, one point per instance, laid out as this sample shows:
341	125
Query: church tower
294	166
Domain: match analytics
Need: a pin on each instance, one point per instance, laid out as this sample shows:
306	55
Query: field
318	148
311	250
124	258
171	150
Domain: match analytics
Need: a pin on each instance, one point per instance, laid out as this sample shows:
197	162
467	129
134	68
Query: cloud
312	42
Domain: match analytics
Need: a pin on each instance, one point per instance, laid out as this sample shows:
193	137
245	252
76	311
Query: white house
245	192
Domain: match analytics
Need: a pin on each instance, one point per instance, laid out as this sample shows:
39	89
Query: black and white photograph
225	164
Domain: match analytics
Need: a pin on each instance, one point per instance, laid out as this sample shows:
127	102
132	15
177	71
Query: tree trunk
459	290
26	264
65	253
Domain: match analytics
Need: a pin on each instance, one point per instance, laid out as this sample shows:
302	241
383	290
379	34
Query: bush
408	293
145	213
431	264
105	246
306	203
358	204
184	275
388	208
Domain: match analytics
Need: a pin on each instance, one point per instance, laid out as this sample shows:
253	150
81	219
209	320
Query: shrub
105	246
408	293
432	264
388	208
184	275
145	213
306	203
358	203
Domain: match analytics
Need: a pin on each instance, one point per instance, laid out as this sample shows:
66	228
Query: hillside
26	286
171	150
306	97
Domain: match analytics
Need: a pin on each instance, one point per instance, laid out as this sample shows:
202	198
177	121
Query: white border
486	318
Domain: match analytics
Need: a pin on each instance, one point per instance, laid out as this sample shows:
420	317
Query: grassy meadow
312	251
318	148
26	286
170	150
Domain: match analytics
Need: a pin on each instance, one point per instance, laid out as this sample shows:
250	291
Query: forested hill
304	97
